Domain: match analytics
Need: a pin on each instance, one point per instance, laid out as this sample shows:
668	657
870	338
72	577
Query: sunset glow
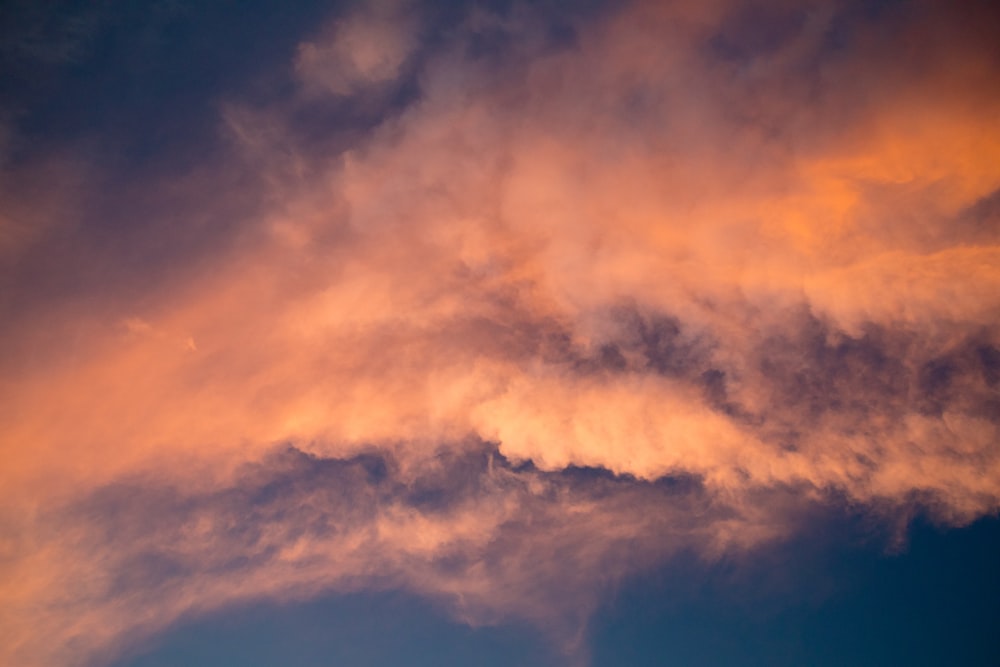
498	304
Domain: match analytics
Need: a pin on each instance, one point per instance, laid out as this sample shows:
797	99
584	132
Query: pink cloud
772	277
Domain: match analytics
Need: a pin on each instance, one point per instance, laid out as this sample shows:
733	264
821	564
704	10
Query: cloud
367	48
594	299
464	527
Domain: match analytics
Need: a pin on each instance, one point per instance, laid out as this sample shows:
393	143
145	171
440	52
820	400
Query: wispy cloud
631	283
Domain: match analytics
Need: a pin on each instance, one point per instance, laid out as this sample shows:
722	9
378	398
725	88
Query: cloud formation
610	286
364	49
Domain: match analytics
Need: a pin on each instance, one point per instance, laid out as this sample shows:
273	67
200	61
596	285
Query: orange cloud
763	270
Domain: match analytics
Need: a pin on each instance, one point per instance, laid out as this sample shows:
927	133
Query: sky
487	332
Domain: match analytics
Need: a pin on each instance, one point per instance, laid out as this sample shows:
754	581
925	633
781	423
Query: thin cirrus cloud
652	281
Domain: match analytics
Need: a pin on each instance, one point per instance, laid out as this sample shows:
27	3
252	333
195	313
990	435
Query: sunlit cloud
652	280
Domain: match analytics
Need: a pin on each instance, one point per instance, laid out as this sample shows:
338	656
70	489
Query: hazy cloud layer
502	311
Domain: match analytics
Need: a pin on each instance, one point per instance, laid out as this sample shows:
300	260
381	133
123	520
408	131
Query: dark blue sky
842	597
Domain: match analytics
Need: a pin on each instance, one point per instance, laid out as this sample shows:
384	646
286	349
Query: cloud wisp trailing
550	299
